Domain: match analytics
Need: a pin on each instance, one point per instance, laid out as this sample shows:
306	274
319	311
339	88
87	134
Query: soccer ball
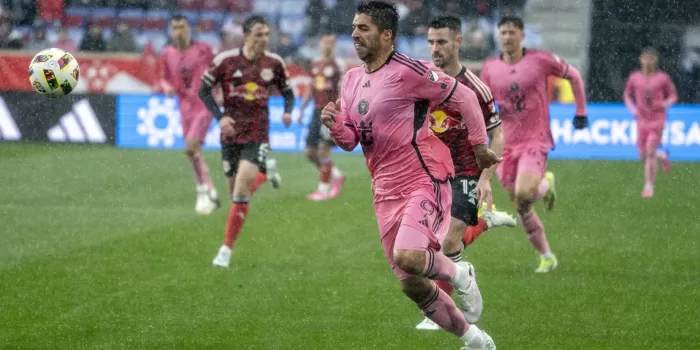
54	73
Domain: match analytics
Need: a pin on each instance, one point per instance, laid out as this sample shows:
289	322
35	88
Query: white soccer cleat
223	258
481	341
207	200
498	219
273	174
468	292
428	325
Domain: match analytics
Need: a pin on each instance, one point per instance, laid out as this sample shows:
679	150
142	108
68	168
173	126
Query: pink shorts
417	222
648	139
524	160
195	121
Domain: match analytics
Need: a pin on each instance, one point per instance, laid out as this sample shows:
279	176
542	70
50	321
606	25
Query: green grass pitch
100	248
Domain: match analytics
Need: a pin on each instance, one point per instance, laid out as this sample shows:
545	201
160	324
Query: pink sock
650	167
535	231
201	172
542	189
438	266
441	309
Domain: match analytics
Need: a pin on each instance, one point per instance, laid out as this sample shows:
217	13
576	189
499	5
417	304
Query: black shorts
464	200
317	131
254	152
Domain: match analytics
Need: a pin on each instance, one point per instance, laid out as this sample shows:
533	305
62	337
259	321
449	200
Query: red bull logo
250	92
441	121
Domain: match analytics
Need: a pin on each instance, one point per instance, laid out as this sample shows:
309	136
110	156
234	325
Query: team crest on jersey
314	71
363	106
432	76
328	71
266	74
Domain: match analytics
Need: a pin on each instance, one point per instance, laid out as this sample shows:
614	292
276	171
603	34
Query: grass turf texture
101	249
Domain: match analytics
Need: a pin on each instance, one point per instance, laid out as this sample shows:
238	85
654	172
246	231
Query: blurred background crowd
129	26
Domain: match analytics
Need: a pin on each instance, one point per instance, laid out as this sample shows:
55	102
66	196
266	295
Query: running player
247	76
384	106
647	95
471	186
328	73
181	64
518	79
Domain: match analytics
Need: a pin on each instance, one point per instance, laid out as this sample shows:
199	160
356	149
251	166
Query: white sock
473	335
324	187
212	193
547	255
336	173
459	270
661	154
202	188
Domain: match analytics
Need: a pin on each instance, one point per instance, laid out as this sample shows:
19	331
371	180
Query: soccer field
100	248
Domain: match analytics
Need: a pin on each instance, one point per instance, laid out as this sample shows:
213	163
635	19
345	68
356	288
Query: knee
410	261
311	155
416	288
191	149
524	196
453	241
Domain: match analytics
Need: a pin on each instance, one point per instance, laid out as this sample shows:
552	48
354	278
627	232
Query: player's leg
651	165
330	171
313	141
230	157
530	173
665	157
195	133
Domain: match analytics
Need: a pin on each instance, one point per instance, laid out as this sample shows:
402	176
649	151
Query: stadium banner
153	121
80	118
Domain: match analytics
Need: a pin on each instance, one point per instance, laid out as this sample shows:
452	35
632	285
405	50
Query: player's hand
287	119
485	157
330	113
484	193
226	124
580	122
300	117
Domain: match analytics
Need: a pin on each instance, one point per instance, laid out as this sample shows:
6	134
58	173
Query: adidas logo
366	84
237	74
8	127
79	125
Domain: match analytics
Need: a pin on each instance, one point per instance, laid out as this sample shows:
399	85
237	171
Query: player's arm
671	94
560	68
211	78
340	127
497	143
281	76
165	75
308	95
628	96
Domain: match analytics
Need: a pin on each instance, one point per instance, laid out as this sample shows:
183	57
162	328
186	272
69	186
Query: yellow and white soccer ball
54	73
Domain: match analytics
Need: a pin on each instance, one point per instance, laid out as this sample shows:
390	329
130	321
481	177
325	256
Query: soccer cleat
648	192
336	186
318	195
666	162
273	174
223	258
207	201
482	342
547	264
498	219
428	325
483	209
551	196
467	290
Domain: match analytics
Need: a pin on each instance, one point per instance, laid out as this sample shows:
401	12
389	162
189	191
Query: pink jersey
648	97
520	90
181	70
386	111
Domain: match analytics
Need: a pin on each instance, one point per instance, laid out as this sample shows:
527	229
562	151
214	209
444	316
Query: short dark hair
251	21
449	22
514	20
180	17
383	14
650	51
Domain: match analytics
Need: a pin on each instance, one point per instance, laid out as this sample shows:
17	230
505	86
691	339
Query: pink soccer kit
647	98
386	112
181	70
520	90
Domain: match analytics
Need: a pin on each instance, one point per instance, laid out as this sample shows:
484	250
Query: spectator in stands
94	39
9	37
512	7
285	47
316	17
340	17
122	39
416	23
38	42
232	34
63	42
21	12
478	43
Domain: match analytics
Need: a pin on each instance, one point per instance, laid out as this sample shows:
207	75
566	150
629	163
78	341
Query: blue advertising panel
153	121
